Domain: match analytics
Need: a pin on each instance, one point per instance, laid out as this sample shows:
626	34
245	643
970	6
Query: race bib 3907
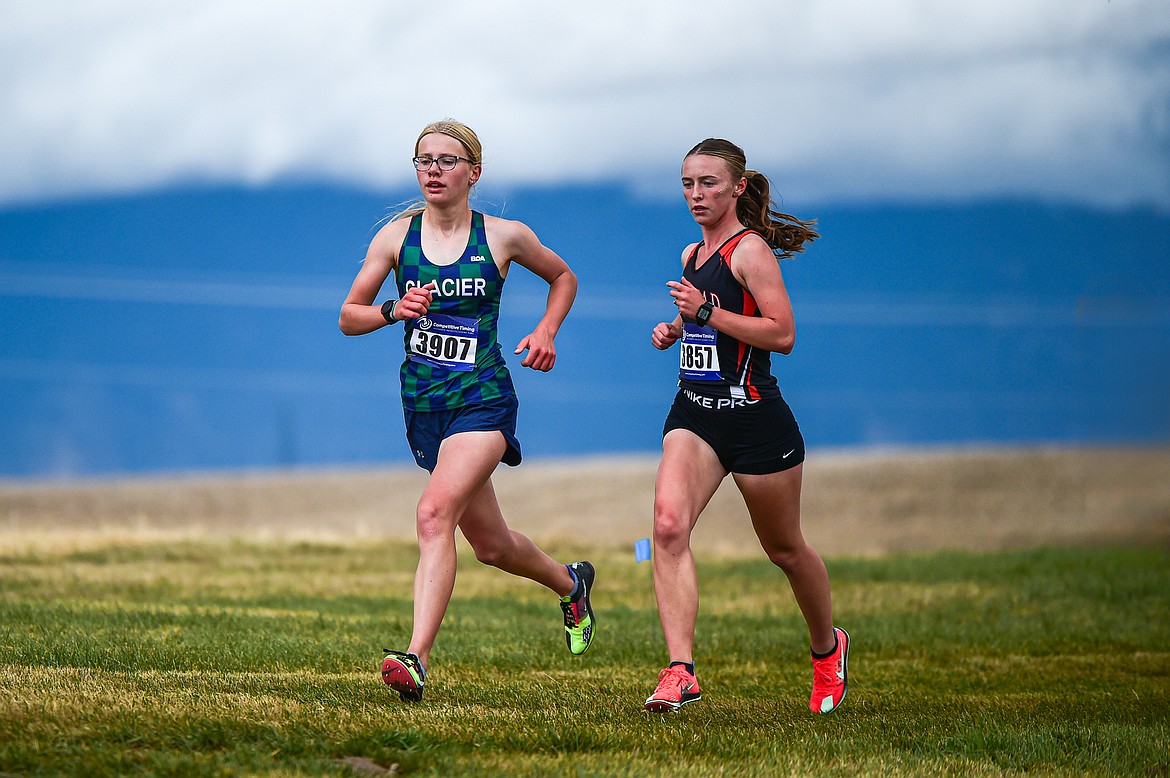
445	341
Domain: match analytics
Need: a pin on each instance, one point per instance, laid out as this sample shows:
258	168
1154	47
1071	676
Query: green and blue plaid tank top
452	356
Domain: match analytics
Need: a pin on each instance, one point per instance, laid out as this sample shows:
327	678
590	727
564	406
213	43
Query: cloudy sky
838	99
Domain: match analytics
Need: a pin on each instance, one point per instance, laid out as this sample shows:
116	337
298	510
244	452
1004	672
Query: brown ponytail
784	233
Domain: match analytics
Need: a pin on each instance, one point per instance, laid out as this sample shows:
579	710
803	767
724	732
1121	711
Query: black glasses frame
446	162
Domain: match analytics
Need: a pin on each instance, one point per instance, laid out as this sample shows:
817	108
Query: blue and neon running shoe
579	621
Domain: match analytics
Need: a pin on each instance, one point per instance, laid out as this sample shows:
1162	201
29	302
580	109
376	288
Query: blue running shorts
425	430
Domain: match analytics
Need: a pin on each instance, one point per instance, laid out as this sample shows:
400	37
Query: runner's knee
490	551
672	527
432	522
789	557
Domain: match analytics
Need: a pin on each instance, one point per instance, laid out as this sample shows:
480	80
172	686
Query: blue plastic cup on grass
642	550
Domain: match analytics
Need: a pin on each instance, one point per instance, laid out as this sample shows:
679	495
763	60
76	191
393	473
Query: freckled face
709	189
440	186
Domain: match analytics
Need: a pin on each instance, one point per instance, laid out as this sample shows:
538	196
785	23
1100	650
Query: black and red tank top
714	364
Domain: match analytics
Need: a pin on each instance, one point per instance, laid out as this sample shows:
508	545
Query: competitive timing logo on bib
450	325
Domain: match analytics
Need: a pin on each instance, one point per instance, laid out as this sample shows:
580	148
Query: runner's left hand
542	354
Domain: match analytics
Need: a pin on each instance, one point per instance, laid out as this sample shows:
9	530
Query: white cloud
840	99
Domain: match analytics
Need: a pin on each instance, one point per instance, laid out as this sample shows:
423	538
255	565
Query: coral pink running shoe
831	676
676	687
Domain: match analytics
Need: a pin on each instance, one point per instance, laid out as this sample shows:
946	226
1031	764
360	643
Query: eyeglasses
446	162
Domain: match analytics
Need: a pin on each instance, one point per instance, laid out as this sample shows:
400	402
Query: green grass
208	658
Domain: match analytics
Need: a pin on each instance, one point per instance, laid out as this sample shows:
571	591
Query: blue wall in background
197	329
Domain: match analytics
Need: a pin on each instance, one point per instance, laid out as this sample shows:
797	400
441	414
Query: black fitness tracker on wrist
388	310
704	313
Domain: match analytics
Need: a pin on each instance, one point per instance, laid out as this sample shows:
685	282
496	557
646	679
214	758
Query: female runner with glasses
729	416
460	407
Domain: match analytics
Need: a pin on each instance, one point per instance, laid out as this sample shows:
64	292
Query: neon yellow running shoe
579	621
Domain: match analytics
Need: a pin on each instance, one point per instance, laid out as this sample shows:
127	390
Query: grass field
213	658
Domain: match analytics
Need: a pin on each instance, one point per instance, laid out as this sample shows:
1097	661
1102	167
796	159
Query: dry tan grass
854	503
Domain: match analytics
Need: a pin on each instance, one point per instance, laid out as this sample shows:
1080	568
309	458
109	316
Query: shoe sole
666	706
844	669
399	679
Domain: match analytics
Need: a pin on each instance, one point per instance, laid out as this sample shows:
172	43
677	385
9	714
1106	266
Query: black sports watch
704	313
388	310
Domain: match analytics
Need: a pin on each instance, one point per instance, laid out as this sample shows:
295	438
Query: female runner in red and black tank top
745	371
729	415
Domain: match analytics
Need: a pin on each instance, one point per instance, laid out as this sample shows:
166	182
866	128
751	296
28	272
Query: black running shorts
752	438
